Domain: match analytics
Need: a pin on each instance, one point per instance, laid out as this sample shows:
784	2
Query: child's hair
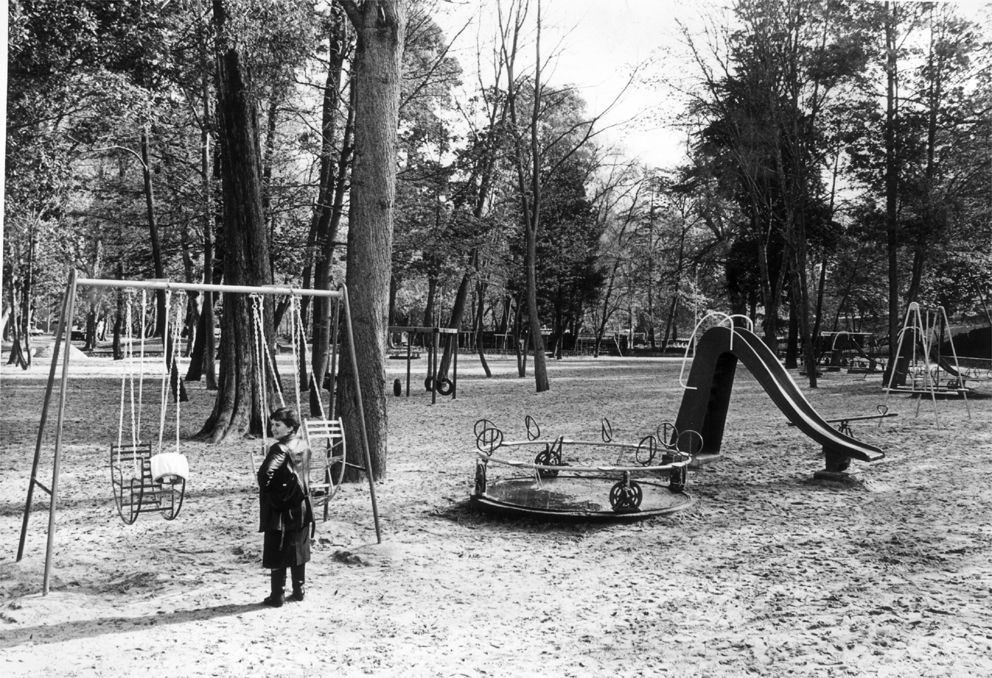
287	415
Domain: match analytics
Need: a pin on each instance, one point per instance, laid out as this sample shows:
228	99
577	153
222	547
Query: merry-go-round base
576	497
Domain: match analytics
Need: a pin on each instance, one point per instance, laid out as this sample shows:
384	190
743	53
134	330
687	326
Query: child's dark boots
277	597
299	579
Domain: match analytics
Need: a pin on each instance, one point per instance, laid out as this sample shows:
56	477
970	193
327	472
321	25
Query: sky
597	43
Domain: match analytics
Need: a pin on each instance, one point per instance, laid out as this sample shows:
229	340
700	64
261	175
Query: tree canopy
838	169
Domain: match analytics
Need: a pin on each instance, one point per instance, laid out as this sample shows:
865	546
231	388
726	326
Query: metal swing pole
409	359
898	353
432	362
454	368
62	331
335	324
68	309
926	340
361	409
50	544
954	353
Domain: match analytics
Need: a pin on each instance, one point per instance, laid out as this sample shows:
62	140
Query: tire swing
445	386
143	482
442	386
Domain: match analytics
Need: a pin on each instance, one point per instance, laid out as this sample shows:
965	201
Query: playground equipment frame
626	481
65	321
435	333
923	336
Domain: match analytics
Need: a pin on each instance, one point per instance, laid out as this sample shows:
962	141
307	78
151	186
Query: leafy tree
924	163
67	87
764	129
568	275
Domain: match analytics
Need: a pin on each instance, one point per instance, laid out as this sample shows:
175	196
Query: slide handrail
725	317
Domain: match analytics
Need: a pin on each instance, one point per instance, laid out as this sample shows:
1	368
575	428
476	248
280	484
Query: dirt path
767	573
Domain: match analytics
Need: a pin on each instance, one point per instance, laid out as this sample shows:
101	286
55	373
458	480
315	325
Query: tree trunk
330	220
485	172
146	173
528	168
932	230
792	341
237	408
479	324
118	350
822	282
381	28
202	360
519	339
27	294
891	179
271	124
17	354
428	319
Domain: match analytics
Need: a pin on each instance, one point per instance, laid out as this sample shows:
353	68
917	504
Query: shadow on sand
88	628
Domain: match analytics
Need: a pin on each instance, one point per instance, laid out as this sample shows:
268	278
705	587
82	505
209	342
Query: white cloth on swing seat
166	464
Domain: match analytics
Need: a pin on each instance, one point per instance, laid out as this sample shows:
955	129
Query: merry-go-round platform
575	480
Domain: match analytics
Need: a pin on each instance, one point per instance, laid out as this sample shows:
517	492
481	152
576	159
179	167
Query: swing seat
137	490
327	460
169	467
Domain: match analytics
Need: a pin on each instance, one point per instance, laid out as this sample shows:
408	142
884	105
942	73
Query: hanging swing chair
324	459
324	435
325	472
144	482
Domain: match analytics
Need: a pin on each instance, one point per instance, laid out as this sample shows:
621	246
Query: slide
704	408
949	367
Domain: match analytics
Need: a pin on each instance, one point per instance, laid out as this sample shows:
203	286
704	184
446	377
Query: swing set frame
63	344
925	327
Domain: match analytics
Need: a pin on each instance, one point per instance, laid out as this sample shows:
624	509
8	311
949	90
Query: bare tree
539	151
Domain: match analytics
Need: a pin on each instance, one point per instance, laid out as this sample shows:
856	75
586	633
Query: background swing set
919	368
433	337
147	482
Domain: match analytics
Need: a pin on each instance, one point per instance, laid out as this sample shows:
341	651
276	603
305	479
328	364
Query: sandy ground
767	573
